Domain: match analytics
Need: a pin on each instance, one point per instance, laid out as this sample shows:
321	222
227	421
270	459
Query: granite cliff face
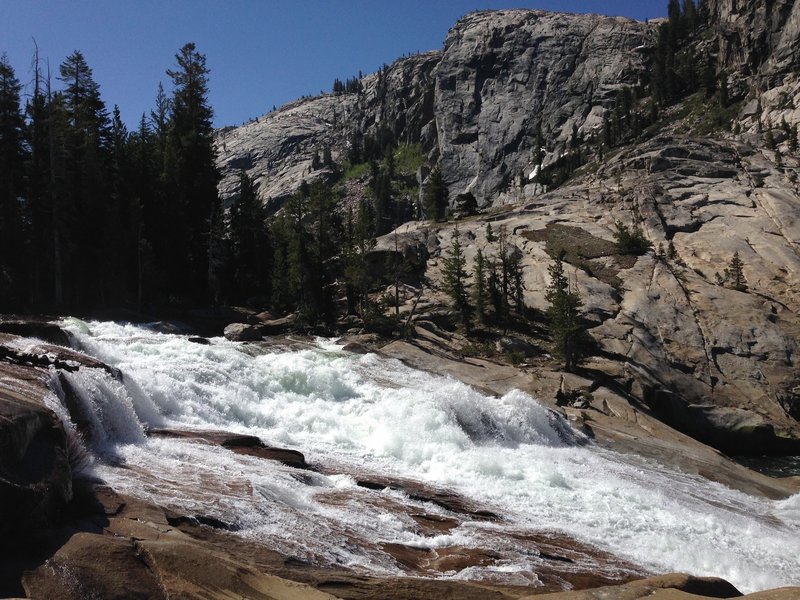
504	74
756	37
277	150
477	104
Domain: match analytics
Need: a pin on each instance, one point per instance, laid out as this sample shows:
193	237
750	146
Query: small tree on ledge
733	275
630	241
567	326
454	274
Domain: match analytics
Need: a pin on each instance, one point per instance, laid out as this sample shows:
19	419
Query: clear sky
261	52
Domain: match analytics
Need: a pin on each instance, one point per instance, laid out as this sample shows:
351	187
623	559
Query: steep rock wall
505	72
757	37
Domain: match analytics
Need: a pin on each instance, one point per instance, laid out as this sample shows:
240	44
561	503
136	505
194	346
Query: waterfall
360	415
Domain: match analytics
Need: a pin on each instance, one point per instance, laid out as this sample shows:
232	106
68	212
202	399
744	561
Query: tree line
92	214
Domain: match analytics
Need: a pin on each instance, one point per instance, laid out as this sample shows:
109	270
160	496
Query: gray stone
243	332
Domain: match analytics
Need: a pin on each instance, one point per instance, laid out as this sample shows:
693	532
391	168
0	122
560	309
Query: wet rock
356	348
35	473
243	332
241	444
278	326
42	330
81	569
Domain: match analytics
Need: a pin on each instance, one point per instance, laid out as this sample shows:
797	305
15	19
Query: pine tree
86	215
195	175
480	285
144	182
516	283
566	325
734	274
13	156
250	243
324	250
220	256
454	275
359	241
435	196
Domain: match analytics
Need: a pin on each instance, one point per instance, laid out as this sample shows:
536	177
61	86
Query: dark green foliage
435	196
193	178
769	139
501	284
350	86
306	259
109	217
733	276
630	241
454	277
566	324
516	285
674	71
250	246
480	292
13	156
358	242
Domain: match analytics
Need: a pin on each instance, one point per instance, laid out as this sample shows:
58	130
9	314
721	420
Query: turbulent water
358	414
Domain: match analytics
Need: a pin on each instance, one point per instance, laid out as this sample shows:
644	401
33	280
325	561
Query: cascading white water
365	413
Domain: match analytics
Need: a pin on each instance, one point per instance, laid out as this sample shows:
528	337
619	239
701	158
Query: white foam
510	455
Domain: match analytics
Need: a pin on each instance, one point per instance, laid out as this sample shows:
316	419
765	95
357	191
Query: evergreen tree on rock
454	273
566	324
435	196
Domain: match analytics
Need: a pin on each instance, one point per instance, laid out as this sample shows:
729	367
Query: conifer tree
86	156
249	243
324	251
435	196
480	285
733	275
359	241
454	274
195	175
12	166
566	324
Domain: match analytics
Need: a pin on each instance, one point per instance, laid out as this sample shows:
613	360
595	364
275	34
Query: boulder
42	330
243	332
241	444
510	344
35	473
81	568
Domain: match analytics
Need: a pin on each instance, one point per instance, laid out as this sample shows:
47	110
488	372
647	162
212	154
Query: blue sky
261	53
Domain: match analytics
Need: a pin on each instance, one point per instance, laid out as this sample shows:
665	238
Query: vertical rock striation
505	73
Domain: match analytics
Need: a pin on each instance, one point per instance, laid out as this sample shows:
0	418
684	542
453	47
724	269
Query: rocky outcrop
504	74
757	38
715	362
477	105
35	474
277	150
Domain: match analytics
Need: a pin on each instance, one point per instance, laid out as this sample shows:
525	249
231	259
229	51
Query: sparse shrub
630	241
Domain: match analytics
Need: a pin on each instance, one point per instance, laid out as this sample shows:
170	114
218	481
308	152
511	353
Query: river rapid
363	414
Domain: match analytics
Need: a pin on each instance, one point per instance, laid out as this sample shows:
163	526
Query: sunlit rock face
478	103
504	74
